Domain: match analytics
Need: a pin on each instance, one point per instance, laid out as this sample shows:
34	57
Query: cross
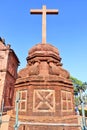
44	11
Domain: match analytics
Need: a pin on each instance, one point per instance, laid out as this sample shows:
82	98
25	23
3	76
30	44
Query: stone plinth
46	91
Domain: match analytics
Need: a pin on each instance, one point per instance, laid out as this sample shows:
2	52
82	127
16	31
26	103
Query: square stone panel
44	100
66	101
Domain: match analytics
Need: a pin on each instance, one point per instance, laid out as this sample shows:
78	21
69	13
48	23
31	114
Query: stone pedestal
46	91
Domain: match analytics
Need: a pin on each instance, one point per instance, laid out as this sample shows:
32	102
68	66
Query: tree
78	85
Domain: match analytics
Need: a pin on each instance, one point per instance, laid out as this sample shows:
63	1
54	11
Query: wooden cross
44	11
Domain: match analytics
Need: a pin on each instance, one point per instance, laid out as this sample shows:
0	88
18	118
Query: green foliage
78	84
76	81
77	101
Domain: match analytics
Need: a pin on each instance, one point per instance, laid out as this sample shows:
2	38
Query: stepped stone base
60	120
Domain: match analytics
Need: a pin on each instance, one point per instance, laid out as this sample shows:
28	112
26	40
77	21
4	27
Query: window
23	100
66	100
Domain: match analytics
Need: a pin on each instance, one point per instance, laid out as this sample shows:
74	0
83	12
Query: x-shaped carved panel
44	100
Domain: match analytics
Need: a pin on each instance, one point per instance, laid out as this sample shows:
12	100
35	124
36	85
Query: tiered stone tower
8	74
46	91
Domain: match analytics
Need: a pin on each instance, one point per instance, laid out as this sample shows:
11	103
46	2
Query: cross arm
52	12
33	11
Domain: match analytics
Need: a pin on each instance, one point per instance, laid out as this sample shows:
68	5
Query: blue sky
67	31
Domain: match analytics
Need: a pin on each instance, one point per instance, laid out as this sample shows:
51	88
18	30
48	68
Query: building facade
8	74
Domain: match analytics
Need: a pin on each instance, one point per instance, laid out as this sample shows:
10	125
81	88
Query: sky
67	31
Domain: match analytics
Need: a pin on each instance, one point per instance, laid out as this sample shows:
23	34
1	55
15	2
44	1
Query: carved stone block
43	100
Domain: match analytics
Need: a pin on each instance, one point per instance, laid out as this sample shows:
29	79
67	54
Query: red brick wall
8	73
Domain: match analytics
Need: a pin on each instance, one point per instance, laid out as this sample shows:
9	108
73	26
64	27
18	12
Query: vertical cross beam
44	11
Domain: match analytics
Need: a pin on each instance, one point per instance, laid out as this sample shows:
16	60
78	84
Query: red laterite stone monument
46	91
